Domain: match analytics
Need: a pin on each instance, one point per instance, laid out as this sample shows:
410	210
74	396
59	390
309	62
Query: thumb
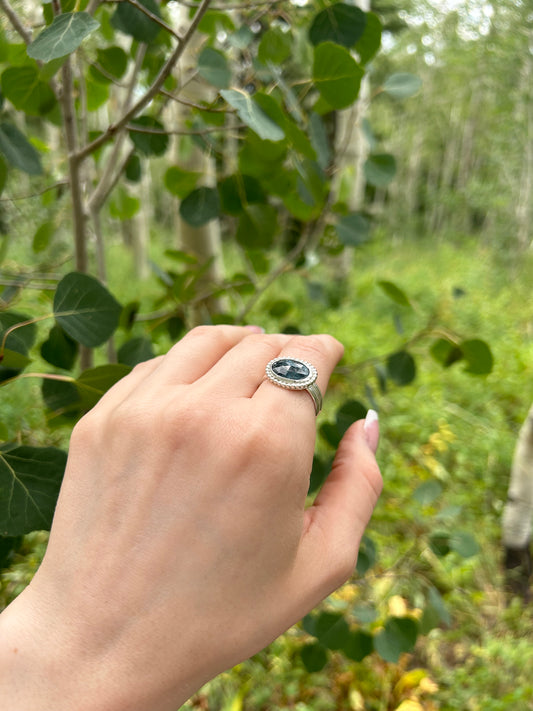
335	523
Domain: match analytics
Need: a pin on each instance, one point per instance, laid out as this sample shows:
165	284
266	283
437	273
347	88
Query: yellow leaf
409	681
357	701
398	606
410	705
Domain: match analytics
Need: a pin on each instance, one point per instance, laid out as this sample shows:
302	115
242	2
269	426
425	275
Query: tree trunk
518	512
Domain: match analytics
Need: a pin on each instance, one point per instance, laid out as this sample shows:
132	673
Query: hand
181	544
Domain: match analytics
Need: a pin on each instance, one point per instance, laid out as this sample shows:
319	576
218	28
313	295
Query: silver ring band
295	374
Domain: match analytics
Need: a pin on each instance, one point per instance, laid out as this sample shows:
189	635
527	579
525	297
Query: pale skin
181	542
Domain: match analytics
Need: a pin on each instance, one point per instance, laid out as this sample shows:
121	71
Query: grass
447	427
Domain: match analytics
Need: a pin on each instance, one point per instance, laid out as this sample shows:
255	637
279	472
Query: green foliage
268	126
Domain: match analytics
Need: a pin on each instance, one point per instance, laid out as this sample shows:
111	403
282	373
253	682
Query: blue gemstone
290	369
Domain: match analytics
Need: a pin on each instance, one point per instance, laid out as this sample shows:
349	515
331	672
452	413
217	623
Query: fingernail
371	429
255	329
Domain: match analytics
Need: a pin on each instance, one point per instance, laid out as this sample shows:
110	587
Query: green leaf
95	382
478	356
59	349
61	398
445	352
401	368
319	140
43	235
275	46
314	657
213	67
13	360
20	339
331	630
368	45
464	544
353	229
26	90
435	612
380	170
336	75
3	173
18	151
134	351
367	556
398	637
358	645
250	114
151	144
257	226
237	191
180	182
136	23
402	85
439	542
122	205
97	94
113	60
339	23
394	293
200	206
85	309
427	492
30	478
280	308
63	36
133	169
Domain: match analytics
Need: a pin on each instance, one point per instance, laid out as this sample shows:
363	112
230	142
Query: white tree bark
518	512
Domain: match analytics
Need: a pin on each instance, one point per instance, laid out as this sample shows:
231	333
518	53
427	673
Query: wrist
45	663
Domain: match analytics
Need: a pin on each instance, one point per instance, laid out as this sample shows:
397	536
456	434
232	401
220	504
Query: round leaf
353	229
331	630
150	137
95	382
339	23
180	182
367	555
358	645
275	46
134	22
63	36
368	45
26	90
213	67
250	114
398	636
85	309
314	657
478	356
59	349
336	75
42	236
445	352
30	478
380	170
395	293
257	226
200	207
427	492
135	351
402	85
464	544
401	368
18	151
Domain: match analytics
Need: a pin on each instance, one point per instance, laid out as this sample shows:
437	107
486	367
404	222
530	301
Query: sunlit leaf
63	36
252	115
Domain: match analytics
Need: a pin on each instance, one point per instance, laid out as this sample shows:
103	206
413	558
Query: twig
152	91
15	21
184	132
155	18
36	194
192	105
282	267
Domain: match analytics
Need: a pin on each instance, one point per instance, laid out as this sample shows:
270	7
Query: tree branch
155	18
15	21
36	194
113	129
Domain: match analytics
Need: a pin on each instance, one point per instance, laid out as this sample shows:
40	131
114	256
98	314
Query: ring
295	374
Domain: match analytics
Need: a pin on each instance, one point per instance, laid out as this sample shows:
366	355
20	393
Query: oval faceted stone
290	369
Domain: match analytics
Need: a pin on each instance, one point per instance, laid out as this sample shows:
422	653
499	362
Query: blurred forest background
363	169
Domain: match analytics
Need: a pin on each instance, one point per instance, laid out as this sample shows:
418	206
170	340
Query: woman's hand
181	544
